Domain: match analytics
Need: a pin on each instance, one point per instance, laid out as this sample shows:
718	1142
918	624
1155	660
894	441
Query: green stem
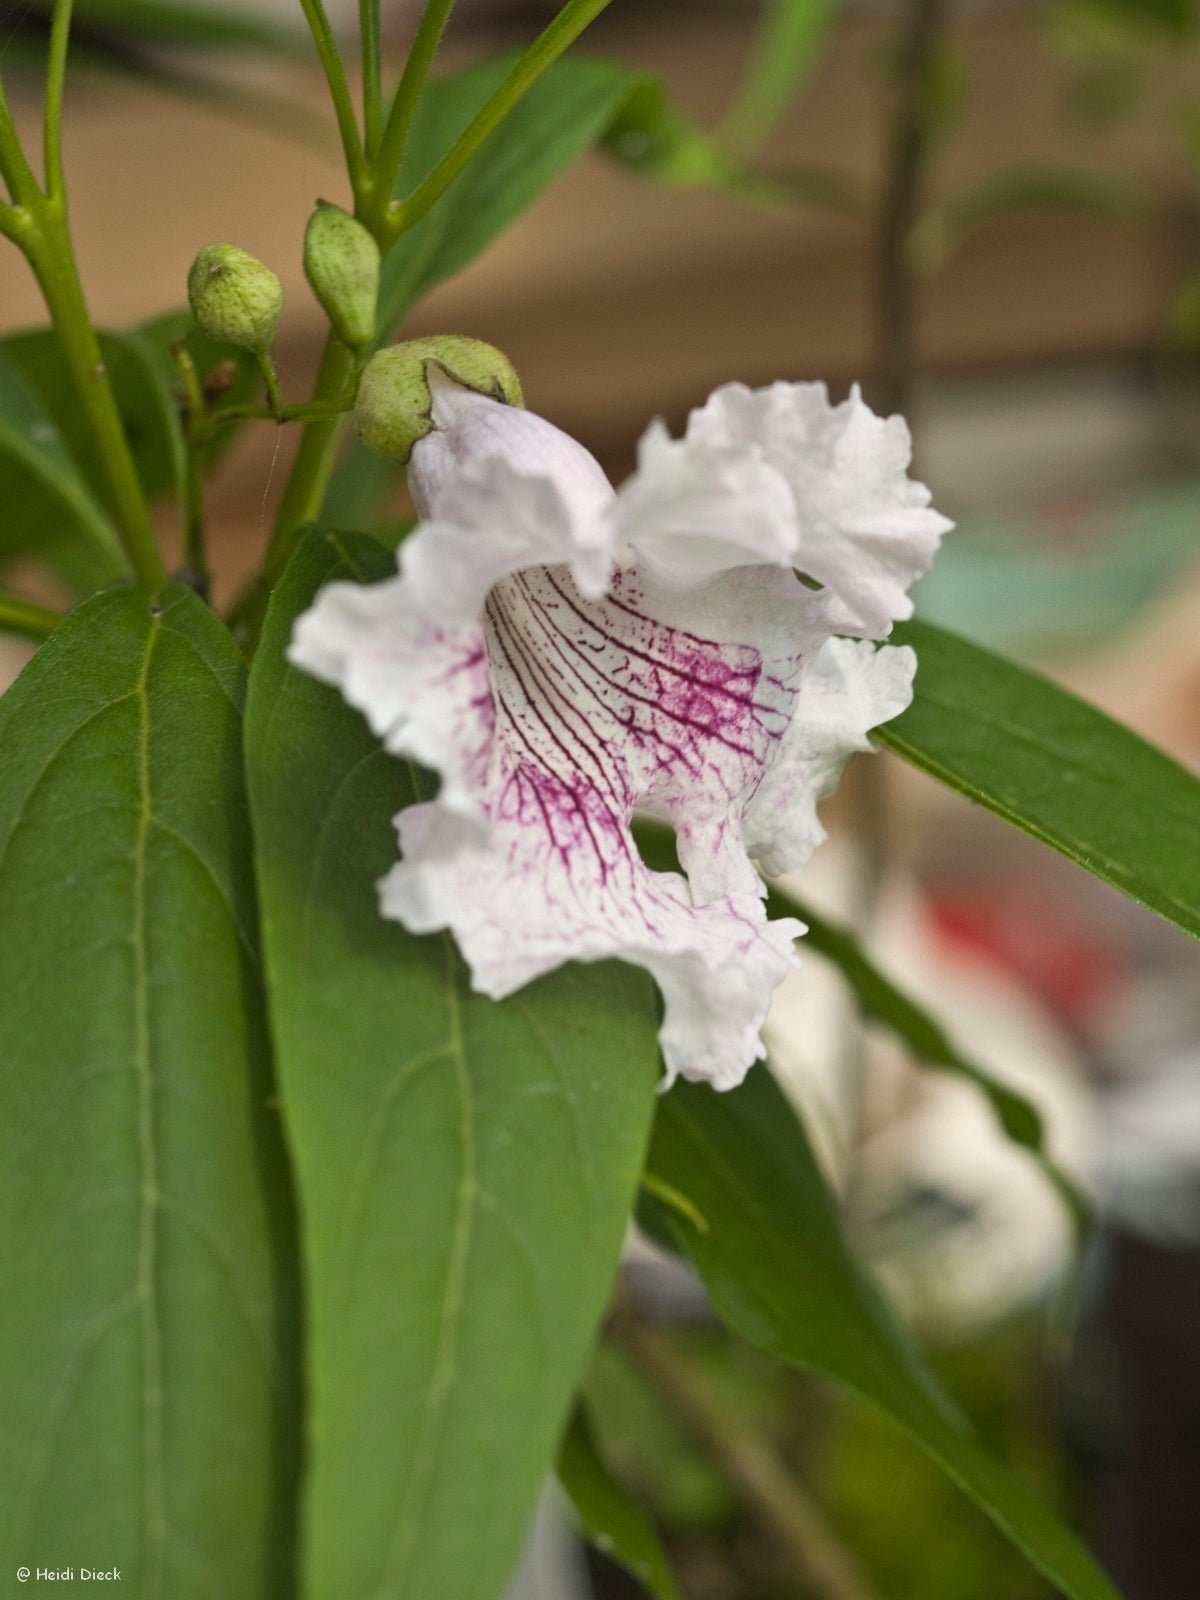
339	91
404	107
18	174
570	22
302	411
271	382
52	258
305	492
818	1562
24	617
56	72
195	545
372	75
196	434
909	146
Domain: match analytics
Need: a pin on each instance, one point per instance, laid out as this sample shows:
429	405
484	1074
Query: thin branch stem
895	279
27	619
896	290
18	174
38	225
52	257
196	435
195	542
819	1562
270	380
404	107
301	411
56	72
372	76
570	22
305	492
339	91
311	470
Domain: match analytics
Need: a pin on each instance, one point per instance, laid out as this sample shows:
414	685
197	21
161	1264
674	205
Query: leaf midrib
153	1444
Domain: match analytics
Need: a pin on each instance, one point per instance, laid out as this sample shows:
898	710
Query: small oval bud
341	263
394	403
235	298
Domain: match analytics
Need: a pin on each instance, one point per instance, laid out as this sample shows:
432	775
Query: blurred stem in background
25	618
816	1558
909	144
897	287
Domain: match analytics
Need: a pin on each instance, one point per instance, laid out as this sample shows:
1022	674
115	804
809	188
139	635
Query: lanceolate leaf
465	1168
779	1274
1055	766
147	1409
563	115
612	1519
789	42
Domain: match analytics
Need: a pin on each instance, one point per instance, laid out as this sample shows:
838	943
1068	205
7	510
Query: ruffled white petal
691	513
423	686
561	658
862	527
846	689
523	899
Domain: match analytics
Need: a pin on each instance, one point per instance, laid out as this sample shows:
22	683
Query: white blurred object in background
1150	1161
961	1224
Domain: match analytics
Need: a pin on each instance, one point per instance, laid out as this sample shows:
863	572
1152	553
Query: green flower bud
341	262
394	403
234	298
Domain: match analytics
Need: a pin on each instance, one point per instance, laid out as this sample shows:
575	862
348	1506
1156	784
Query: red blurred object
1043	943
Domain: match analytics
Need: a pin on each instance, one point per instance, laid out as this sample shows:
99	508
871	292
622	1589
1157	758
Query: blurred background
988	212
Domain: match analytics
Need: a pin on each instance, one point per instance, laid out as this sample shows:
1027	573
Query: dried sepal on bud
341	263
235	298
394	405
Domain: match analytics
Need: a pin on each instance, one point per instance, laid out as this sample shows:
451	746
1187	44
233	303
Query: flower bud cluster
237	300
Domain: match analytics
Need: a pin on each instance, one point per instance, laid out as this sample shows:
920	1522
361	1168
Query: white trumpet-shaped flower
561	655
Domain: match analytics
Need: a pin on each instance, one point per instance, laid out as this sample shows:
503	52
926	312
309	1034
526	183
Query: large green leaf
1055	766
147	1414
779	1273
465	1168
564	114
610	1516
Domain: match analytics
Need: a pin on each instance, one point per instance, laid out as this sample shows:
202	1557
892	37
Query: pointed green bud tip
394	406
235	298
341	262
